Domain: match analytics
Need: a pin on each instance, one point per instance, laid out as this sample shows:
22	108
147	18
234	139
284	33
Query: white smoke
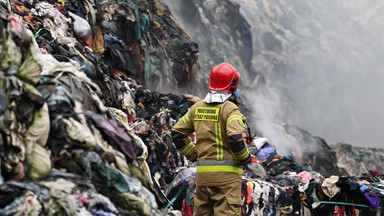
267	117
333	85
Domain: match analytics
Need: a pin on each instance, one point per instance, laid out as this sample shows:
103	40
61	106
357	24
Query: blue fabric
113	39
363	188
296	165
267	152
132	185
100	211
142	20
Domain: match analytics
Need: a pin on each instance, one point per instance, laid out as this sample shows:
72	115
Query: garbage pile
83	134
77	126
274	184
354	160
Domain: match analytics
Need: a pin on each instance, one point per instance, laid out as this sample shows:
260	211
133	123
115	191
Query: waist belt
218	166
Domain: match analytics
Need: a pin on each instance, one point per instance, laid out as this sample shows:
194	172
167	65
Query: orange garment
98	41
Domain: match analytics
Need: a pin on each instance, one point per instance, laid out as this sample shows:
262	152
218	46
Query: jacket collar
216	96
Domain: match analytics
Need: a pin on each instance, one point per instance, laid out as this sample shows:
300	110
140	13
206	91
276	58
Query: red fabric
249	192
247	138
116	72
247	198
278	157
131	118
374	172
340	211
255	160
289	190
186	210
354	211
17	3
88	42
81	197
61	9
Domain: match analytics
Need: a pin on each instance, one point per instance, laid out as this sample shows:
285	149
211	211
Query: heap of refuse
84	130
274	184
354	160
77	126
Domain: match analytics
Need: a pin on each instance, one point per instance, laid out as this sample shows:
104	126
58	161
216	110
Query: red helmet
224	77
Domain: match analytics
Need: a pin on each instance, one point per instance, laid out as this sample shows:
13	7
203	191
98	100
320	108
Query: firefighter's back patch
207	113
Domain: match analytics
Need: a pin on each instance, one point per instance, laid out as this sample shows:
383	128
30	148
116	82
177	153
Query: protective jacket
220	148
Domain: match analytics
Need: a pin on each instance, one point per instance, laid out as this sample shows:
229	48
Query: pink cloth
305	176
21	174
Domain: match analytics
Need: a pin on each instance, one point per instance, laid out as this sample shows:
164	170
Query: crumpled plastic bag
81	28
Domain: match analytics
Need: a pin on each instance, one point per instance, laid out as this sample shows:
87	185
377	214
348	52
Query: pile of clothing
313	194
77	126
354	160
136	39
286	188
81	135
276	185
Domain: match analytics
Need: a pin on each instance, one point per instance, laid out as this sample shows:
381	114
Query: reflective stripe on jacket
220	141
218	166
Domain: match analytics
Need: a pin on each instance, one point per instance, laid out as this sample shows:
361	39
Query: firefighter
220	149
